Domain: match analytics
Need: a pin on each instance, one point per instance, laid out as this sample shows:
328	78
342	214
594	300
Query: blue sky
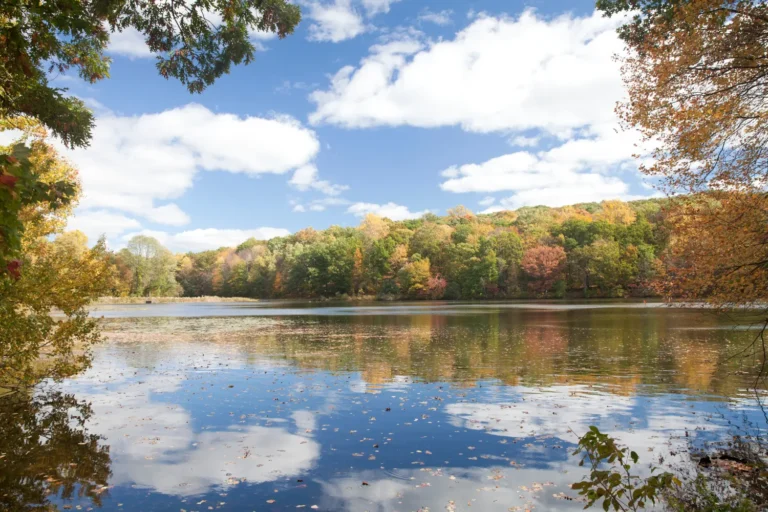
391	107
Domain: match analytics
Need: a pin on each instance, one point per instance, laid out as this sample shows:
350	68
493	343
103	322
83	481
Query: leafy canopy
57	275
697	76
195	42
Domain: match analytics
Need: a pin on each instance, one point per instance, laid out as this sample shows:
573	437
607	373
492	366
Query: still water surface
283	406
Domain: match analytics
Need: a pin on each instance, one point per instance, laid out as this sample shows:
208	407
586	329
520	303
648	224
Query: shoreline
108	301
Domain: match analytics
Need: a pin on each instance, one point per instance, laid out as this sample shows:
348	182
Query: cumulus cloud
307	177
533	79
499	73
374	7
487	201
334	21
525	142
129	43
389	210
96	223
576	171
134	162
438	18
318	205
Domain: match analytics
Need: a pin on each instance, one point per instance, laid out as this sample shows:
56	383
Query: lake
403	407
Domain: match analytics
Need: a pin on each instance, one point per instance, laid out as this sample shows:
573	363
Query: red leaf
14	268
8	180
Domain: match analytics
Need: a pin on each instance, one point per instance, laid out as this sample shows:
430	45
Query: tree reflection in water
47	453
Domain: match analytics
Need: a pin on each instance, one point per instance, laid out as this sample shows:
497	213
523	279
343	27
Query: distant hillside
608	249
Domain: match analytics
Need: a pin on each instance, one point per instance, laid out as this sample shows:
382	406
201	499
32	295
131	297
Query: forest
607	249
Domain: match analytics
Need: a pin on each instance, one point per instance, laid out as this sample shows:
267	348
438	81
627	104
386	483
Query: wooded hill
608	249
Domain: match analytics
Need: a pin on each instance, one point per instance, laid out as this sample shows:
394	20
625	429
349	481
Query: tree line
607	249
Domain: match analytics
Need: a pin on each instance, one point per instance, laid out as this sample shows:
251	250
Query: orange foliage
719	249
544	265
696	79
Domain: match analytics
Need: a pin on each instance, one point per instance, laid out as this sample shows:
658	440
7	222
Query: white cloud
530	78
129	43
205	239
374	7
168	214
334	21
287	87
498	74
390	210
487	201
134	162
158	447
318	205
306	177
575	171
438	18
96	223
525	142
432	487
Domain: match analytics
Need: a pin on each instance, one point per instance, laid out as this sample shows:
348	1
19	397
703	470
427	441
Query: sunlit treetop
196	41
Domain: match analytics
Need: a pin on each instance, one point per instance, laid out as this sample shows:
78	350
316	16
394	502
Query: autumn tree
357	271
414	277
74	242
544	266
430	241
374	227
61	275
31	176
480	256
615	212
696	76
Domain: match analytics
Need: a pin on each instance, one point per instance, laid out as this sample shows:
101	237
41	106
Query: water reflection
157	444
401	412
47	453
672	349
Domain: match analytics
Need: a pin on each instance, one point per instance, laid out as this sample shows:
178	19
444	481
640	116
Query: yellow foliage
62	277
696	83
615	212
374	227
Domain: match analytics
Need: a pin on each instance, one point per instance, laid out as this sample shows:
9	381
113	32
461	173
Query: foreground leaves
616	487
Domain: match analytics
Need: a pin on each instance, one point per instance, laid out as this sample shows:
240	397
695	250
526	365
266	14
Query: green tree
413	278
509	253
431	241
33	343
153	267
194	42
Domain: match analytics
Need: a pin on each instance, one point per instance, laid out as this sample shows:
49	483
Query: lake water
403	407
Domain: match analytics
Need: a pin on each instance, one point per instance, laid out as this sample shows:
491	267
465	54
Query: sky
395	107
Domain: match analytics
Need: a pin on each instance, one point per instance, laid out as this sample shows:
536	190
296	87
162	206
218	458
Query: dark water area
403	407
